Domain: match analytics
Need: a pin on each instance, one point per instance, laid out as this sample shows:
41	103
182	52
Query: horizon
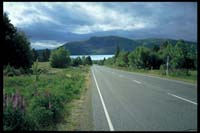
115	36
50	25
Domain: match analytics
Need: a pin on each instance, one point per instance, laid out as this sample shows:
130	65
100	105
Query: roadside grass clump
44	97
177	74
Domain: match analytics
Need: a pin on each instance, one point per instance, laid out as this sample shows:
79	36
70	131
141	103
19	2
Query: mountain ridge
107	44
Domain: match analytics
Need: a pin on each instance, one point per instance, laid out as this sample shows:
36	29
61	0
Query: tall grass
42	108
177	74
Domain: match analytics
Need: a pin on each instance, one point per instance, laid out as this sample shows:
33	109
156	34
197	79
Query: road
123	101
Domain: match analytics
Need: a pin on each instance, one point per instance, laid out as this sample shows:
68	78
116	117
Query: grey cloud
164	20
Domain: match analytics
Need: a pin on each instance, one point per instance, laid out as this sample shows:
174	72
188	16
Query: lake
93	57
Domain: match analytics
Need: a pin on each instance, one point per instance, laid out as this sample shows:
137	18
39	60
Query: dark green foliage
13	119
154	61
77	61
139	58
109	61
45	55
17	50
60	58
122	59
181	56
155	48
45	110
35	54
117	51
184	57
88	60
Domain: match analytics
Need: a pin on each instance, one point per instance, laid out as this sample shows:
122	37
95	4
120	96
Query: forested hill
107	44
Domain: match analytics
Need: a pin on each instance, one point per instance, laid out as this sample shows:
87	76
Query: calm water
93	57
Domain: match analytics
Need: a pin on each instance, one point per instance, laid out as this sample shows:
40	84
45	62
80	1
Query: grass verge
42	104
176	75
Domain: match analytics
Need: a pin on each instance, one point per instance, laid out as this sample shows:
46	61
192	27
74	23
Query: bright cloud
66	21
42	44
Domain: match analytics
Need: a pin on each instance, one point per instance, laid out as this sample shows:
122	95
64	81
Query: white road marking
137	81
104	106
182	98
135	73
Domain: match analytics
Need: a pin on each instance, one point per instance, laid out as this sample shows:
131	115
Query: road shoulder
80	115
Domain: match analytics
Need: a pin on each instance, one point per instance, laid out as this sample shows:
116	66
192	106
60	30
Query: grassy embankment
176	75
47	102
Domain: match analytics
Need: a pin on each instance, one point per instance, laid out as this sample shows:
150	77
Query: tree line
181	56
60	58
19	54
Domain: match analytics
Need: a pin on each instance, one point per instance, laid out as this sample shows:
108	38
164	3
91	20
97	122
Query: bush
12	119
60	58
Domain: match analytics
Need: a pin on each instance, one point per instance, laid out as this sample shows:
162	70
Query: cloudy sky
50	24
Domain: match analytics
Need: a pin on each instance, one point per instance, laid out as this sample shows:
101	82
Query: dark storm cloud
71	20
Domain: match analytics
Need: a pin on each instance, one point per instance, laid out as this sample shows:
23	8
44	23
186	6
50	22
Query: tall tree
116	53
17	47
88	60
46	54
35	54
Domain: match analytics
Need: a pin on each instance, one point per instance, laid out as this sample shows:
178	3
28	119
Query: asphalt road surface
123	101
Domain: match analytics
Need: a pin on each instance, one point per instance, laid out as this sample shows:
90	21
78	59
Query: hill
107	44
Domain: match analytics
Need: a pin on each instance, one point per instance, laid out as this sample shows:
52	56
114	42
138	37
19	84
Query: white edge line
137	81
182	98
104	106
162	78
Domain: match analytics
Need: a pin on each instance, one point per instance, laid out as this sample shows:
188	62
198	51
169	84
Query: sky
51	24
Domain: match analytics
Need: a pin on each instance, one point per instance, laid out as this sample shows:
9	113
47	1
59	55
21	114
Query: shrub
60	58
12	118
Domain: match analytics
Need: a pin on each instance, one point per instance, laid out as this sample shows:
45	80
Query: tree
184	56
109	61
17	47
35	54
155	48
122	59
139	58
116	53
60	58
46	55
154	60
77	61
164	44
88	60
103	61
83	60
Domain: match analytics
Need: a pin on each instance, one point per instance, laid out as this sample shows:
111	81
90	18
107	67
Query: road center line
182	98
104	106
137	81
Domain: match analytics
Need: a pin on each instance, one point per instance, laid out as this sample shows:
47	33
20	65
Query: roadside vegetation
36	94
178	61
